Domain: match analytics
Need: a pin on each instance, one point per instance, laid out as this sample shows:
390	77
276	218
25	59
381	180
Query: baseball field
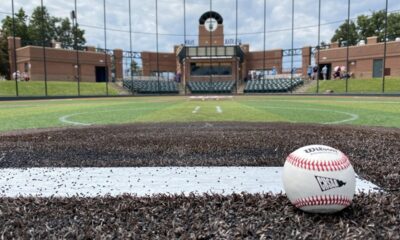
366	111
185	132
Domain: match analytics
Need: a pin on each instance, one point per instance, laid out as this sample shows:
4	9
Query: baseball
319	179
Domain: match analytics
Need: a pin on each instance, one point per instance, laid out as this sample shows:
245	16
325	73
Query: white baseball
319	179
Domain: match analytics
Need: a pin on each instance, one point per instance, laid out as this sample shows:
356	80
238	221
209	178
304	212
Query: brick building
211	58
365	59
61	64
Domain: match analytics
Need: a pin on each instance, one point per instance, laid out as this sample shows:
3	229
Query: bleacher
278	85
152	86
211	87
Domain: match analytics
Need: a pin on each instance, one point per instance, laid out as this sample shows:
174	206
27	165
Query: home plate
142	181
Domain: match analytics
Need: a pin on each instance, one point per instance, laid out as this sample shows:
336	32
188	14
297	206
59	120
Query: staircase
306	85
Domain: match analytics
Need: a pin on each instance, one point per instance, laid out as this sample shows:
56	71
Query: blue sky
170	18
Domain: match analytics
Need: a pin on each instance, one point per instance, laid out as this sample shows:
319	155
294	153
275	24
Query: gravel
238	216
373	152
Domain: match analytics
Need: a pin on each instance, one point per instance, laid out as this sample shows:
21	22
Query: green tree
21	30
393	26
42	26
65	33
341	33
373	25
368	26
4	64
135	69
21	27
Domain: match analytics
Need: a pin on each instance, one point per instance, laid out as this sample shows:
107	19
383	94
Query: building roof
211	14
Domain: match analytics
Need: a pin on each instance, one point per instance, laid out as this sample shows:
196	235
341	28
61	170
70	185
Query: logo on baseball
319	179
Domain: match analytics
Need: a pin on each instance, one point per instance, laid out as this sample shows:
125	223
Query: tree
65	34
373	25
21	27
134	68
341	33
368	26
393	26
21	30
42	26
4	62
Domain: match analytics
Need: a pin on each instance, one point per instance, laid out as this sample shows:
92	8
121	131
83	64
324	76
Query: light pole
75	26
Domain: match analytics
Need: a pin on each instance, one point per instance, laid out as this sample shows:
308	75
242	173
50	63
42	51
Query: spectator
16	75
346	75
337	73
254	76
24	76
273	72
324	72
309	72
315	72
178	77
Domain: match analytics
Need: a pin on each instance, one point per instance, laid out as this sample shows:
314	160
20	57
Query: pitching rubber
319	179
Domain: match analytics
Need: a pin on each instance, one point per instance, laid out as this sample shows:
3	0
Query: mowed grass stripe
376	113
232	111
49	115
307	113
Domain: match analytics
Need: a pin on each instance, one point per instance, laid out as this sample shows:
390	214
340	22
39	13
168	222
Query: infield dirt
372	151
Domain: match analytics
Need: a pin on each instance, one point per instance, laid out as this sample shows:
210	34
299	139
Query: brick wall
61	63
273	58
361	57
166	62
217	37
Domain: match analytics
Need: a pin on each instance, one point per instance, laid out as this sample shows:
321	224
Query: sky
171	20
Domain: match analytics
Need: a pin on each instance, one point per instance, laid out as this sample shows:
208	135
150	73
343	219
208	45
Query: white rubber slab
142	181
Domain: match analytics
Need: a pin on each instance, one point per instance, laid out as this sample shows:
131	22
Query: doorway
328	73
377	69
101	74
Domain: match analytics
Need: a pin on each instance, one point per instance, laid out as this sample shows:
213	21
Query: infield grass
370	111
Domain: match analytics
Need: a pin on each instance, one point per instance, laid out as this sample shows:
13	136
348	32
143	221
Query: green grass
372	85
37	88
367	111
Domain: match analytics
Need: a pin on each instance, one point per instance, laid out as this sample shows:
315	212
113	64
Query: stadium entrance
212	66
100	74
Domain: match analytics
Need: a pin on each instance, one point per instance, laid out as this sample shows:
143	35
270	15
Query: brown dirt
373	152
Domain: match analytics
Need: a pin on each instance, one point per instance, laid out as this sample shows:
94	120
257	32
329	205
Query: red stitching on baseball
334	165
322	200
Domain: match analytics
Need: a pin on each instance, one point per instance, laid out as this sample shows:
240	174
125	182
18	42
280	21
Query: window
204	69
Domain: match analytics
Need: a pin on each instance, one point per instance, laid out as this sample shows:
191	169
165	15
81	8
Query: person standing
324	72
309	72
315	73
273	72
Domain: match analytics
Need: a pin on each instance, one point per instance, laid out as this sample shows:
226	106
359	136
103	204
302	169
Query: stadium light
73	16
